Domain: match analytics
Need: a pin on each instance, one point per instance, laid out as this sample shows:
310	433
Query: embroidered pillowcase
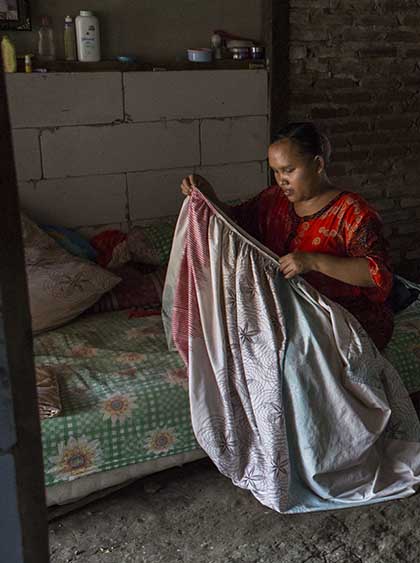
61	286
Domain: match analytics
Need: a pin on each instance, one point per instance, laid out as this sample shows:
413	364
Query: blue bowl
200	55
127	59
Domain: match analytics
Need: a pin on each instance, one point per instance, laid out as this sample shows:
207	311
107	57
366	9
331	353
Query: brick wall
355	70
111	148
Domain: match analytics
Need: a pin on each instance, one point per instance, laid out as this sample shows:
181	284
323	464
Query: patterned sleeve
365	239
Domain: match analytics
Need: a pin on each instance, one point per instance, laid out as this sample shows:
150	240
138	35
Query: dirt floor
193	514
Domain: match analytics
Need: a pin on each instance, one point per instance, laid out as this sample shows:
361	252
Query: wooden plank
17	362
75	66
276	33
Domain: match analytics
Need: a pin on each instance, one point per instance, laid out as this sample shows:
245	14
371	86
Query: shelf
103	66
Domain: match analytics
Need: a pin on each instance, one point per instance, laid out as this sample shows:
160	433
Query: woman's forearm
354	271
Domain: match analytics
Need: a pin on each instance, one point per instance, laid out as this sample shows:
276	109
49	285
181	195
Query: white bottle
88	39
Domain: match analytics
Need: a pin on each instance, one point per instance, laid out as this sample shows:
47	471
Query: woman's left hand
296	263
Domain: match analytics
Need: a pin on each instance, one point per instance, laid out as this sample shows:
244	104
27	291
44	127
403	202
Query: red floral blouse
346	226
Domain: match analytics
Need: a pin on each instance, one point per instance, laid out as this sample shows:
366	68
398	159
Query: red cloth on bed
111	246
138	289
347	226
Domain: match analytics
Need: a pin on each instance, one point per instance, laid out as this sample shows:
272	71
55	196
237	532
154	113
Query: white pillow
61	286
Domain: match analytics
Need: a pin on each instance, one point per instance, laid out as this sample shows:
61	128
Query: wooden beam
18	400
276	36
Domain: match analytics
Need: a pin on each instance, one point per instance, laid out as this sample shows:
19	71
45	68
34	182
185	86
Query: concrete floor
194	515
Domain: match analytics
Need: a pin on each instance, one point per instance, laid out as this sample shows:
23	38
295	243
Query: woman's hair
309	140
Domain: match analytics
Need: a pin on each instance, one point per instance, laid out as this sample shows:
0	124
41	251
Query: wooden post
23	515
276	36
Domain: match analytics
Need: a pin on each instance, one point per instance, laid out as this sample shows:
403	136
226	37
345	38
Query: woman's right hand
196	181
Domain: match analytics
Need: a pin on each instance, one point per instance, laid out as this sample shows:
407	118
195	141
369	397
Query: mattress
125	404
403	351
125	400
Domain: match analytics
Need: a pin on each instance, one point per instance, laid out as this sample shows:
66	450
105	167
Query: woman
332	237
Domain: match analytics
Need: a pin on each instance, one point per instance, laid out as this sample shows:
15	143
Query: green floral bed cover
404	349
124	396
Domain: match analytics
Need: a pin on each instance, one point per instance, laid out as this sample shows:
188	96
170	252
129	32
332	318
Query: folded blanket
289	396
49	402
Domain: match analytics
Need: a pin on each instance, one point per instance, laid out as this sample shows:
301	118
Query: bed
125	409
124	397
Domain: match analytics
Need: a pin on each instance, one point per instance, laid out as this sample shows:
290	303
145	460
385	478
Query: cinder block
79	151
240	139
193	94
155	194
74	202
236	180
53	99
27	154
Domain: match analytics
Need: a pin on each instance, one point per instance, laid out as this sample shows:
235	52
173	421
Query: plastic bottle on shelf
87	35
46	46
8	53
28	63
217	46
69	40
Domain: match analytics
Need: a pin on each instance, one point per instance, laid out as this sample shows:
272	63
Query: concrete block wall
111	148
354	69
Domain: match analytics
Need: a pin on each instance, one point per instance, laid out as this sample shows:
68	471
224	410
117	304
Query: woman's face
297	175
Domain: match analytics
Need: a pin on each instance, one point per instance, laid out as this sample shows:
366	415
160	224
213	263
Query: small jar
28	63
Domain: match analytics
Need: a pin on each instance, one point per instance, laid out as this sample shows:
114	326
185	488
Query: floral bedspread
404	349
124	396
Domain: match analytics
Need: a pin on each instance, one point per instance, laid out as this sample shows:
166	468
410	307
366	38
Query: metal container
240	53
257	53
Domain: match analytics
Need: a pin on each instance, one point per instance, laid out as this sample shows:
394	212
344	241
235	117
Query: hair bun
308	139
